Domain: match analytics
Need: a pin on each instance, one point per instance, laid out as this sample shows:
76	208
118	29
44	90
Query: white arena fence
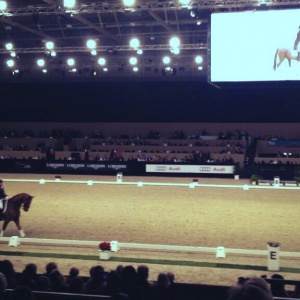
133	246
141	184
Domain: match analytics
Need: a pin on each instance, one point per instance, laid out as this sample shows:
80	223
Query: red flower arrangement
104	246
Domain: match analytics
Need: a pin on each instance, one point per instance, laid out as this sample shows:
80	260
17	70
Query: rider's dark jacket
2	193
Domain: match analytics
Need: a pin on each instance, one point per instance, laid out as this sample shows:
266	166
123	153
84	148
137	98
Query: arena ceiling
29	24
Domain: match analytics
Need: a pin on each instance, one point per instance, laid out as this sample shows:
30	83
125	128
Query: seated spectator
254	288
75	285
128	284
43	283
7	268
74	272
29	276
50	267
96	283
3	285
113	286
142	281
22	292
277	286
57	282
162	290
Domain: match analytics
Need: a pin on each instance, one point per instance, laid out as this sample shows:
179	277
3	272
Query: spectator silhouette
57	282
113	286
162	290
128	284
254	288
277	286
3	285
50	267
76	285
29	276
43	283
142	281
7	268
74	272
22	292
96	283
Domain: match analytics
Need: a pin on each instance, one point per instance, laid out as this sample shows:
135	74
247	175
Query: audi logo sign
161	168
212	169
205	169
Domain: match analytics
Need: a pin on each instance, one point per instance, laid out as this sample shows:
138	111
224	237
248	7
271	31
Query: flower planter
104	255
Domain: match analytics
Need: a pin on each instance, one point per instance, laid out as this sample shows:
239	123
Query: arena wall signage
69	166
204	169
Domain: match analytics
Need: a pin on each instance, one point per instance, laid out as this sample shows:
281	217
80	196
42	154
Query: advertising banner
204	169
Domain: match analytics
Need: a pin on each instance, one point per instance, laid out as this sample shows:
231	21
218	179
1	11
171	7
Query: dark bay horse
13	211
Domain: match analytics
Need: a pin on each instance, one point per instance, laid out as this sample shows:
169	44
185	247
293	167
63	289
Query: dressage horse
13	211
283	54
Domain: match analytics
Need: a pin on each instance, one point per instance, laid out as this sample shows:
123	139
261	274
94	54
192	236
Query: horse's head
26	202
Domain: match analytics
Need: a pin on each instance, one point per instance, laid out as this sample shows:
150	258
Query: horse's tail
274	66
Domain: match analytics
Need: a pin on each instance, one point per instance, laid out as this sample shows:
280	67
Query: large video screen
255	46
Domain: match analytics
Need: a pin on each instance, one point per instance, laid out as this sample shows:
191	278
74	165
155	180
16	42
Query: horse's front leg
22	233
5	223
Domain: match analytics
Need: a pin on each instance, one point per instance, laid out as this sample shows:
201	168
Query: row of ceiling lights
69	4
133	61
91	45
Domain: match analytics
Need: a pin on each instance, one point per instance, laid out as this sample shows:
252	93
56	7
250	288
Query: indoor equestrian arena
160	211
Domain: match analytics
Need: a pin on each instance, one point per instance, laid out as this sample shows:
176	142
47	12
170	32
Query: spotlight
134	43
40	62
69	3
133	60
174	42
10	63
105	69
3	5
140	52
135	69
198	59
101	61
175	51
91	44
184	2
71	62
44	71
94	52
9	46
93	73
13	54
53	53
49	45
166	60
128	2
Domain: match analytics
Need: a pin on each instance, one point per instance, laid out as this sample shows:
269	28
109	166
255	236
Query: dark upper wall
146	102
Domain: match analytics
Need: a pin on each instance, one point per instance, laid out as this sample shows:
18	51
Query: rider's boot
1	215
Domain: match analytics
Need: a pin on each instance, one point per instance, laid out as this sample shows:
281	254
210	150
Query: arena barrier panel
148	246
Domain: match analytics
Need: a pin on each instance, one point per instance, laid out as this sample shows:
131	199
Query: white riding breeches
1	204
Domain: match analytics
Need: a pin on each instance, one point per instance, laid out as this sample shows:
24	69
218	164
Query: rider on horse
296	43
3	197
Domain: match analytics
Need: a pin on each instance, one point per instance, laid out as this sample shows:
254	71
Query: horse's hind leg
22	233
